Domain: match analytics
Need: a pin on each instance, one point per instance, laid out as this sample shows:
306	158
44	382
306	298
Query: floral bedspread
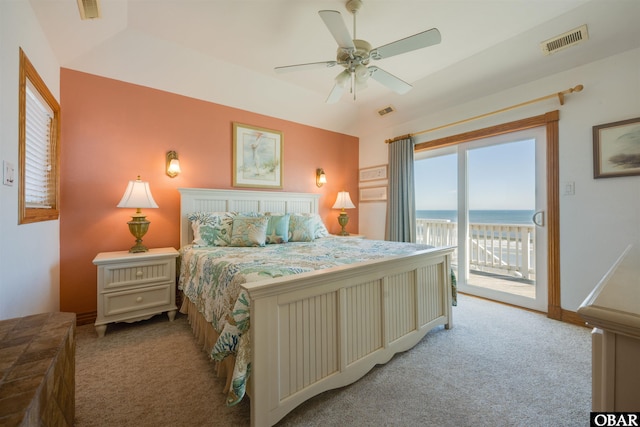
211	277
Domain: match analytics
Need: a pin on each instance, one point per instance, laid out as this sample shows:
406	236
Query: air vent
386	110
89	9
565	40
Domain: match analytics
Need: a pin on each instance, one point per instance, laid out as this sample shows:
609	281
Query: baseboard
86	318
573	318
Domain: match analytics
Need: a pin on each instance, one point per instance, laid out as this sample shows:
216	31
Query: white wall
30	253
603	216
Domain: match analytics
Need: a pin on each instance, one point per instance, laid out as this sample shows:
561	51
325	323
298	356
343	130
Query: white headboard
212	200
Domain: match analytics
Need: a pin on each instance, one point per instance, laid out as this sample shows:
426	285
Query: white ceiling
225	51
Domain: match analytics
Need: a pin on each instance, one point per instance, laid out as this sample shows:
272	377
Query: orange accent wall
113	131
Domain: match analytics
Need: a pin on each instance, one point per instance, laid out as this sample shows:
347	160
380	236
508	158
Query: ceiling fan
355	54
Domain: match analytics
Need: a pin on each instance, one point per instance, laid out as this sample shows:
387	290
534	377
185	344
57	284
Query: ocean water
482	216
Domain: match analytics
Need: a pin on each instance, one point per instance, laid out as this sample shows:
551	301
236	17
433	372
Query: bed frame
322	330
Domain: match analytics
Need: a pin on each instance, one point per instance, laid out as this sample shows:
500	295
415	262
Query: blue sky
500	177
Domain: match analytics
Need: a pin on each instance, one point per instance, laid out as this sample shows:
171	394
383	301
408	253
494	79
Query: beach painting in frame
257	157
616	149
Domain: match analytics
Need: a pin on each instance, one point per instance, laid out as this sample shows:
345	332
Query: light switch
569	188
7	173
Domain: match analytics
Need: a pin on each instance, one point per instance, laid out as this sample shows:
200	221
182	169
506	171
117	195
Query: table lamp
138	196
343	202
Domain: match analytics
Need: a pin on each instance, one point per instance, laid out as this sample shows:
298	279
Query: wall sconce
173	164
321	178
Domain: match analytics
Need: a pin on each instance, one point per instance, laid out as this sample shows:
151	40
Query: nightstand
352	236
135	286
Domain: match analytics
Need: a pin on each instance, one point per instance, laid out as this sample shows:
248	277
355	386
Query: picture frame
374	173
373	194
616	149
257	157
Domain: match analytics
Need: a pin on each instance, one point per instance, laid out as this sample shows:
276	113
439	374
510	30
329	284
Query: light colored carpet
498	366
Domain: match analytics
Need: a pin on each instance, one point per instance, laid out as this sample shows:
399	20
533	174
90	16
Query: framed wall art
373	194
616	149
373	173
257	157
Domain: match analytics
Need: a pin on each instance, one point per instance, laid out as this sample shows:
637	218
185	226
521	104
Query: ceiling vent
89	9
565	40
386	110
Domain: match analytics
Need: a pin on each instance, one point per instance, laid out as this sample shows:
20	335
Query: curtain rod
560	96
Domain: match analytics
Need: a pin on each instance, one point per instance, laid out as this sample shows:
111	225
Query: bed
287	337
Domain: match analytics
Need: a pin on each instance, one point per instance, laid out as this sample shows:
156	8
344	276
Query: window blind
38	160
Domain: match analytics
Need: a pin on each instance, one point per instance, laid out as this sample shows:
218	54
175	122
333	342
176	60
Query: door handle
538	218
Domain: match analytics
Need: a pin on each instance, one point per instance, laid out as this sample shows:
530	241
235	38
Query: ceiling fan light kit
355	54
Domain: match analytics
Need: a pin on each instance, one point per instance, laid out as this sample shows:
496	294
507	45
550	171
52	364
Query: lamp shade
343	201
137	195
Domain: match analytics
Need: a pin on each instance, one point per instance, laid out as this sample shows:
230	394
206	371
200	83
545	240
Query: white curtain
401	205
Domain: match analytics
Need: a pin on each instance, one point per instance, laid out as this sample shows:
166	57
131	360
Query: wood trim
29	215
86	318
553	218
500	129
550	121
573	318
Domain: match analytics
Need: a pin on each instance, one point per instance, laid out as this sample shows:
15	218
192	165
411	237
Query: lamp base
138	227
343	219
138	247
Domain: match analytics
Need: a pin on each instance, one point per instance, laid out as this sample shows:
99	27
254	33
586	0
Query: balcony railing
500	248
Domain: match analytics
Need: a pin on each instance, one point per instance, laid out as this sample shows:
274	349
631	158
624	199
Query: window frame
27	214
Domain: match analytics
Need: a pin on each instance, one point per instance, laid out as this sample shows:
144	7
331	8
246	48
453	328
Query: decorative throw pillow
211	228
319	229
249	231
278	229
301	228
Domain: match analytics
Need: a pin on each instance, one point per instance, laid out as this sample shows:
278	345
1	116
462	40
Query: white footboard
318	331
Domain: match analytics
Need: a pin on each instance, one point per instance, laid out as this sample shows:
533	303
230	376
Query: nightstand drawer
132	274
116	303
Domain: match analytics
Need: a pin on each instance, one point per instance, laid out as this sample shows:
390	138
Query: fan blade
333	20
408	44
336	94
338	88
308	66
389	80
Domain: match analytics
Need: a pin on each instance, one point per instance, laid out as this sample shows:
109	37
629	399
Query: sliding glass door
484	197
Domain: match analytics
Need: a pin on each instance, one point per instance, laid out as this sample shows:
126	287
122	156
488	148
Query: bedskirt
206	337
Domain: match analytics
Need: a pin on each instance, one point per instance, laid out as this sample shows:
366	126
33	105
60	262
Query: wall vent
89	9
386	110
565	40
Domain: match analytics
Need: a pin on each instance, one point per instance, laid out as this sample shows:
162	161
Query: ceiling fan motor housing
359	56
